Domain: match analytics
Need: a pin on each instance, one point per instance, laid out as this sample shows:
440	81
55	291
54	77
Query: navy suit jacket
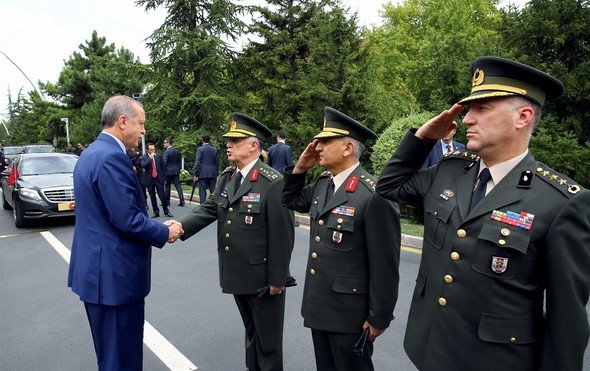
145	162
280	156
436	154
206	162
111	250
172	159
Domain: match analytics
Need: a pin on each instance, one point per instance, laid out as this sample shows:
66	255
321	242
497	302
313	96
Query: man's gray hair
117	106
519	102
254	139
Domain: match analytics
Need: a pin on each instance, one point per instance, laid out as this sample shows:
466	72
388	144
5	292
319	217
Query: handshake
174	230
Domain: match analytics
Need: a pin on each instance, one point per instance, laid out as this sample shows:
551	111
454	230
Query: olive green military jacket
254	232
478	303
352	271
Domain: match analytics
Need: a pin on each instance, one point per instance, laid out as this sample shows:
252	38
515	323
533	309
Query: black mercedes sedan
39	185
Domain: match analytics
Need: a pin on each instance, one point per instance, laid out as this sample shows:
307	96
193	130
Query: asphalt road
43	324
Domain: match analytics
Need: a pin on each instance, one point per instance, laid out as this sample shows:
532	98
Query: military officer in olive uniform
504	278
255	240
352	276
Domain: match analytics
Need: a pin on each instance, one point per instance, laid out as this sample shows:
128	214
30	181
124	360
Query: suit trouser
173	179
204	184
117	332
263	320
152	188
333	352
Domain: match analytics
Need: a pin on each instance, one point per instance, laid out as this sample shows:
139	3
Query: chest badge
336	237
248	219
446	194
499	264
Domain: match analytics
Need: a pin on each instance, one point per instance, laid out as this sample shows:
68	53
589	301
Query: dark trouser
173	179
152	188
204	184
263	320
333	352
117	332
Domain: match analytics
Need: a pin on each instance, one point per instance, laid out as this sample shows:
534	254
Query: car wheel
5	203
19	218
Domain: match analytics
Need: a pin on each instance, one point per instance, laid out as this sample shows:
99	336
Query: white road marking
161	347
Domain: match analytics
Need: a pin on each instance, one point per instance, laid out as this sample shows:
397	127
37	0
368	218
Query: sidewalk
407	240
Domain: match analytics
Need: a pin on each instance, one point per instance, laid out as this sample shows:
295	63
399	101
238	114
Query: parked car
10	152
37	148
39	185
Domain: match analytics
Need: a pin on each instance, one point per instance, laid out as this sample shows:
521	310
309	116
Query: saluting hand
308	159
440	126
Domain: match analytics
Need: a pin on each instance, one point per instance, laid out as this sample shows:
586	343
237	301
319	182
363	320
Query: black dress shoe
181	204
156	215
169	214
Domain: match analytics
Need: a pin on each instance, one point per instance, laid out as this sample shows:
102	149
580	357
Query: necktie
448	148
330	191
238	181
480	190
154	172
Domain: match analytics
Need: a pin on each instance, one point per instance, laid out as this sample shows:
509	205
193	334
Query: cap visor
235	134
328	134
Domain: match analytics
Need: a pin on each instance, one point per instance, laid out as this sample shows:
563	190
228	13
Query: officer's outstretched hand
373	332
440	126
308	159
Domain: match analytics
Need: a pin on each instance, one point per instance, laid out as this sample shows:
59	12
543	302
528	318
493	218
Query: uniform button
505	232
340	220
442	302
315	202
264	259
436	213
321	222
249	206
338	226
513	340
314	255
231	209
455	256
227	235
448	278
317	239
461	233
312	271
229	222
227	248
353	290
501	242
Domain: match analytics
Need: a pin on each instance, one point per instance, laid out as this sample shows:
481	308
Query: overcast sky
39	35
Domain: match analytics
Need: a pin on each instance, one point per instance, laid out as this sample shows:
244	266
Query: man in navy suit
153	178
111	249
172	161
443	146
206	168
280	155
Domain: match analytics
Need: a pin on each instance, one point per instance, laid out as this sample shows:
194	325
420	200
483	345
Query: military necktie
480	190
330	191
238	181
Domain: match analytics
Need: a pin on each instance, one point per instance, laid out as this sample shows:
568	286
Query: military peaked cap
499	77
337	124
243	126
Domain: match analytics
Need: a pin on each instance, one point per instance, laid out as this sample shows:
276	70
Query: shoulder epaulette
566	185
326	173
464	155
229	169
369	181
269	173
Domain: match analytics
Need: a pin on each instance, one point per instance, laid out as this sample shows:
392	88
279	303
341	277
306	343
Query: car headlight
29	193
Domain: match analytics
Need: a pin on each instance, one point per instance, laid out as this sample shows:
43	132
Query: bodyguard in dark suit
503	282
255	239
351	284
206	168
442	147
111	249
172	162
154	178
280	155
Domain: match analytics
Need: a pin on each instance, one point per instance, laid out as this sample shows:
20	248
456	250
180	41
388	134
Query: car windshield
47	165
38	149
12	150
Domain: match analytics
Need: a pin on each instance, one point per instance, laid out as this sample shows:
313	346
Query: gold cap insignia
233	125
478	77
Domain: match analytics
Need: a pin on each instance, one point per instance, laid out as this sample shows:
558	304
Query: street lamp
65	119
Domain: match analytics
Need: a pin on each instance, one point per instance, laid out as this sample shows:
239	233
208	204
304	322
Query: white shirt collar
341	178
118	142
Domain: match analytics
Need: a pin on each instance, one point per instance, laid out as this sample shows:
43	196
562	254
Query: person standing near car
2	158
172	162
153	178
206	168
111	249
